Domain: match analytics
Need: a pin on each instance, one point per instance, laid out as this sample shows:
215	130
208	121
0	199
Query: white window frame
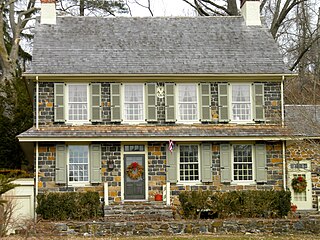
77	183
250	120
179	120
66	103
189	182
143	120
243	182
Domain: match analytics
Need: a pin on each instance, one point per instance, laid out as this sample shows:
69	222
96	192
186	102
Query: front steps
138	211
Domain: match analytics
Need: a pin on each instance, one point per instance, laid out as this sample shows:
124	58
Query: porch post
168	194
106	193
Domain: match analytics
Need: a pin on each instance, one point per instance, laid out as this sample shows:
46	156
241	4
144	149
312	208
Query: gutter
282	101
284	163
37	102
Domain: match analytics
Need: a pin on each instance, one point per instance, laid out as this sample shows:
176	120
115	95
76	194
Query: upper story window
187	103
241	102
77	102
133	103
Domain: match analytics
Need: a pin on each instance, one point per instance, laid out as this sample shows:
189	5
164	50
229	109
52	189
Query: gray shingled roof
303	120
159	45
151	131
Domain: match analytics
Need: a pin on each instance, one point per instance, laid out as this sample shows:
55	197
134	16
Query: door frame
145	153
307	172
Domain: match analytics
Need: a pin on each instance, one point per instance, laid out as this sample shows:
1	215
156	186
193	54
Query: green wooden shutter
206	162
95	163
170	102
151	102
261	163
95	91
223	102
205	102
61	164
115	89
59	102
172	174
225	163
258	91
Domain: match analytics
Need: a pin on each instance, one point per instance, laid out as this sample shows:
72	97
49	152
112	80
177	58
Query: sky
161	8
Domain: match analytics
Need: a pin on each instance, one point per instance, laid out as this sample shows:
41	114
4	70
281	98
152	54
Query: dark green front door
134	189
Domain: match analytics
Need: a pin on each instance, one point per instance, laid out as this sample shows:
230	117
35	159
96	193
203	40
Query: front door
134	177
303	200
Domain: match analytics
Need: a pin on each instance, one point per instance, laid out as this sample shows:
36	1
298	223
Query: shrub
236	203
69	205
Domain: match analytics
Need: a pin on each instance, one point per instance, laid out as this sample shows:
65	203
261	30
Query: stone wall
46	103
155	228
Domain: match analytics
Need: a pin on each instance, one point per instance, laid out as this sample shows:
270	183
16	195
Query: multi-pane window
242	163
78	102
133	102
241	102
189	163
78	163
187	102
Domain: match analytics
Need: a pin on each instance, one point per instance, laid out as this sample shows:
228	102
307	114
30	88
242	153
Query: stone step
129	211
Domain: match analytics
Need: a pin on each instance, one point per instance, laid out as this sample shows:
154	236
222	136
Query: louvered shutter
95	163
261	163
172	175
223	102
205	102
258	89
61	164
95	102
206	162
170	102
115	89
225	163
59	102
151	102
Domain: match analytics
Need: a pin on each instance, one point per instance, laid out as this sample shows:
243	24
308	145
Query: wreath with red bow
299	184
134	171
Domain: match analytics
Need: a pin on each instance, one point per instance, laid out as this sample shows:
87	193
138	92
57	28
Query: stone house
135	107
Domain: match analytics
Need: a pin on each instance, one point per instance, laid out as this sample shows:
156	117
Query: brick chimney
48	12
250	10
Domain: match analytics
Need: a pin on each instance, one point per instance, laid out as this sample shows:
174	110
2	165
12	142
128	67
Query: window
77	102
187	102
242	163
241	102
78	163
189	163
133	102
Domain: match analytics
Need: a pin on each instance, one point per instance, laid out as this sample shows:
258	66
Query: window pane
242	163
189	163
78	163
241	102
133	102
77	102
187	102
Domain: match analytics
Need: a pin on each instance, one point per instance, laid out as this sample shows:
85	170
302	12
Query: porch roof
178	132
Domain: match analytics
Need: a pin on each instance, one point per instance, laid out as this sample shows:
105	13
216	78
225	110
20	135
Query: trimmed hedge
69	205
247	204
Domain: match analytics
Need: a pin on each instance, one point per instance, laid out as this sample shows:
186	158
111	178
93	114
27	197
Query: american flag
171	146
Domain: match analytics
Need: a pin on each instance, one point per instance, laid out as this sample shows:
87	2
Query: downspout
283	141
37	103
282	101
36	189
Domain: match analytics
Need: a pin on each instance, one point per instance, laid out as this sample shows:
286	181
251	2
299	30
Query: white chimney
48	12
250	10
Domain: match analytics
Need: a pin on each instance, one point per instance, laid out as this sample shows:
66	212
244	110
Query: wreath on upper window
134	171
299	184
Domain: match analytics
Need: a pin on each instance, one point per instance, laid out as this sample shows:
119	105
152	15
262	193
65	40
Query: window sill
236	183
189	183
79	184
